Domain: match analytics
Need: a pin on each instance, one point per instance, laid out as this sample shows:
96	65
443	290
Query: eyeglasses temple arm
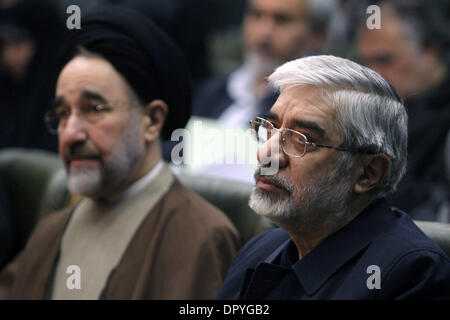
340	149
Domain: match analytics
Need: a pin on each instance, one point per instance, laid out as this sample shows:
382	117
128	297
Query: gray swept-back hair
369	113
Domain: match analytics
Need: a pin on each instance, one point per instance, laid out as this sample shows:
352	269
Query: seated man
137	233
343	147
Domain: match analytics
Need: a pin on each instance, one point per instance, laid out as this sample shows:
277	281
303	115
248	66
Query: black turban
142	53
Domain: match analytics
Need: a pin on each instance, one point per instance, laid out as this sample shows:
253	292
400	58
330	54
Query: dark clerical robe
180	250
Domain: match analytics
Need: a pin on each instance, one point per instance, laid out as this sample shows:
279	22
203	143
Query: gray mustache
282	182
80	151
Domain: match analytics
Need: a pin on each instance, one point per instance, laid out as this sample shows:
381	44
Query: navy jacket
379	244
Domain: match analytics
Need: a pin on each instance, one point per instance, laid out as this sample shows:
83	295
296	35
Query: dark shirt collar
314	269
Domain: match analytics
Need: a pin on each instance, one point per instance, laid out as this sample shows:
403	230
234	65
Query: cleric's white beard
84	180
130	150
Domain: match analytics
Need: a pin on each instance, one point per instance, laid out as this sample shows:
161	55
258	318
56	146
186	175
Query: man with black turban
136	233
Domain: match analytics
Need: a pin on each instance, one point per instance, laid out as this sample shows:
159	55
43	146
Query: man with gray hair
338	134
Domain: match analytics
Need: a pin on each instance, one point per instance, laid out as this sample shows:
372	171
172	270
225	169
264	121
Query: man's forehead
87	76
84	94
303	106
302	100
88	67
279	6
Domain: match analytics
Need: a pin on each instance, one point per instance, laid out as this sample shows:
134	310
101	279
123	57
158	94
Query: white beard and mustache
308	205
92	181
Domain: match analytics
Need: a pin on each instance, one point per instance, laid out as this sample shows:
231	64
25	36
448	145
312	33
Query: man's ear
155	113
372	170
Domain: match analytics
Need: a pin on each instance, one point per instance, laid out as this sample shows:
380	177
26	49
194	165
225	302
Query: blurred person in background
31	32
30	37
274	31
411	50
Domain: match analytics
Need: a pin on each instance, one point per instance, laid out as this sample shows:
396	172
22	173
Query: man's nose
73	130
266	28
271	151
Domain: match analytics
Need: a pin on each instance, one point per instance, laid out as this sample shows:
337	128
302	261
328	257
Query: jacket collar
314	269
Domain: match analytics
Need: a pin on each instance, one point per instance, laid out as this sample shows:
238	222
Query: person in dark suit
343	148
411	51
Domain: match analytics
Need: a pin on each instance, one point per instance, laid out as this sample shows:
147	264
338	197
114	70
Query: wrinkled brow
299	123
85	94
